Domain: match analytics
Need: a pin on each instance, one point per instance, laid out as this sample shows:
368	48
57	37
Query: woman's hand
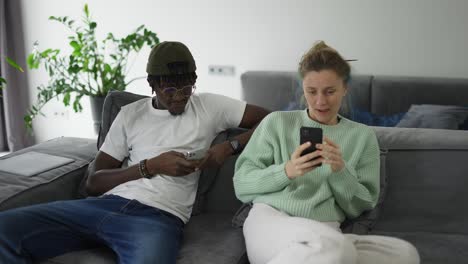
298	165
331	154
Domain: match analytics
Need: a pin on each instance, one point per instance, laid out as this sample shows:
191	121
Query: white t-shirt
142	132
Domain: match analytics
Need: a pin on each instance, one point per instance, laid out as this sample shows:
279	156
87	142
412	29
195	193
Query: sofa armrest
60	183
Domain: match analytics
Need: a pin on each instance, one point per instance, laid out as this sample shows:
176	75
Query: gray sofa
424	186
378	95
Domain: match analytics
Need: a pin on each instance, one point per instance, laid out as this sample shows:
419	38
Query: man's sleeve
115	143
229	112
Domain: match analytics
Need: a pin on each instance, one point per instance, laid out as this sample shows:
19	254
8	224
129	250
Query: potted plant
92	68
12	64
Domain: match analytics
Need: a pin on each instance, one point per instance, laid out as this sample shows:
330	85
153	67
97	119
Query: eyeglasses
186	91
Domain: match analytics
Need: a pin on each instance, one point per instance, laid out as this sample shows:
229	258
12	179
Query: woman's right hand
298	165
171	163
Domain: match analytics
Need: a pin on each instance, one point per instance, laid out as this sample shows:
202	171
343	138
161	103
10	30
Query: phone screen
313	135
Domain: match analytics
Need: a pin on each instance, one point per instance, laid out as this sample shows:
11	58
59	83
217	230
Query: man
141	207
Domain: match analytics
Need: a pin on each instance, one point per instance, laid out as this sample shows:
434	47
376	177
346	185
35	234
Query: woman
300	201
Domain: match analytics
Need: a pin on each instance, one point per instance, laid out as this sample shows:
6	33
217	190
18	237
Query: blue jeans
137	233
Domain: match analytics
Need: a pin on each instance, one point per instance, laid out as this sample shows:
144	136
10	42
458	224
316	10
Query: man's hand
298	165
171	163
216	155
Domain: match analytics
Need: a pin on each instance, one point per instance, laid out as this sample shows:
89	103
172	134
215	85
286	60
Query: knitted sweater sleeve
356	189
256	172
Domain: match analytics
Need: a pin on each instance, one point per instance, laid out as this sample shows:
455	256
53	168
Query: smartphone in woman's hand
314	135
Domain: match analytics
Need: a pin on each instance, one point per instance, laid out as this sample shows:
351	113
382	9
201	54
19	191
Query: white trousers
274	237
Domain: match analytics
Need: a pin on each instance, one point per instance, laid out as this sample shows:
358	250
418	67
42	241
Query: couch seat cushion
208	238
435	248
94	256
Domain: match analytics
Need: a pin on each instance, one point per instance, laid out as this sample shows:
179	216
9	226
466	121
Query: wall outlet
224	70
61	113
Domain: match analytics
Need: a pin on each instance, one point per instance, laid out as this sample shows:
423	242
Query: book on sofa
32	163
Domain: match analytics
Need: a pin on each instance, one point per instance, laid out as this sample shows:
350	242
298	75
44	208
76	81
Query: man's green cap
170	58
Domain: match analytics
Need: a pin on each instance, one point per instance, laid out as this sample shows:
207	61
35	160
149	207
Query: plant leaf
86	10
14	64
66	99
75	45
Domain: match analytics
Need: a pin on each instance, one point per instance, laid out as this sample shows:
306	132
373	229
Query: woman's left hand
331	153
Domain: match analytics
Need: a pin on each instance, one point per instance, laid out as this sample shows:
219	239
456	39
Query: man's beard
175	114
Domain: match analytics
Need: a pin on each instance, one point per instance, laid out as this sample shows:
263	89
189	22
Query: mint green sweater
319	194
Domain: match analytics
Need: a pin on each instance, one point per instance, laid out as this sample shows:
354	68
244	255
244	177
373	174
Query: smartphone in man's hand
314	135
196	154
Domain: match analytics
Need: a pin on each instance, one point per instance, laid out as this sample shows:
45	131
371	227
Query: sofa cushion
59	183
435	116
362	224
94	256
396	94
427	183
215	191
371	119
436	248
210	239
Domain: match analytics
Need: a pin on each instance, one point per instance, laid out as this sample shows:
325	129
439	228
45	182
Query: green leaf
66	99
139	28
75	45
46	53
2	82
86	10
28	121
77	53
92	25
14	64
107	68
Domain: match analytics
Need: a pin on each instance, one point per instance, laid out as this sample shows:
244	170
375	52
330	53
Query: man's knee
8	224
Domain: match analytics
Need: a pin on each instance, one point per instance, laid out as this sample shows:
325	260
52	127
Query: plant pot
97	103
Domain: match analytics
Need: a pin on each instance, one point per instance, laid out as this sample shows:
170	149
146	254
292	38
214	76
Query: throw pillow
360	225
435	116
371	119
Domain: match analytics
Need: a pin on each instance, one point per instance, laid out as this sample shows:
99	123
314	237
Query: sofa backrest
279	91
381	95
215	188
427	177
392	94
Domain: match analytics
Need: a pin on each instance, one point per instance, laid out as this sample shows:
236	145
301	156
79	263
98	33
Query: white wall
398	37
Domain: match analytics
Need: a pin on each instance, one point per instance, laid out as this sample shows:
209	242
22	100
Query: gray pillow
434	116
360	225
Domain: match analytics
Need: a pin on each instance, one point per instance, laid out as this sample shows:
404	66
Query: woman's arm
255	171
357	189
